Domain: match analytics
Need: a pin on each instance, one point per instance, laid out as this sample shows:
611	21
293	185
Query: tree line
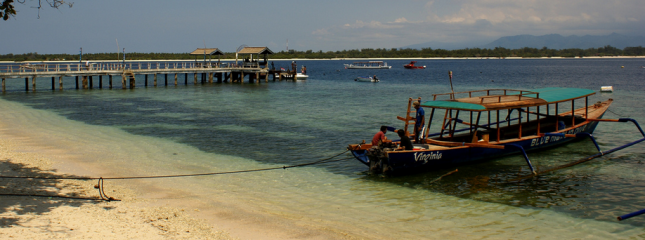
498	52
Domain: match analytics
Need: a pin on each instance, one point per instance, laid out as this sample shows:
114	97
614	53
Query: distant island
497	52
551	41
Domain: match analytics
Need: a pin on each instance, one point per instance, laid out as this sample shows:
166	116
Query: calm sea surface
223	127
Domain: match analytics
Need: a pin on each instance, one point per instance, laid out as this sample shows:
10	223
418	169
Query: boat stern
359	151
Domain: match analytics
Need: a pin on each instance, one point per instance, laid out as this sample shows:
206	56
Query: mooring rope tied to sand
103	196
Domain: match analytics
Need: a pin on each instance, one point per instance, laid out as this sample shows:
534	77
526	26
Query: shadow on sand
31	196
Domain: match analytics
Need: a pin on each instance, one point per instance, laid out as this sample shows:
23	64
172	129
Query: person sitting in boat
374	78
379	137
405	144
420	118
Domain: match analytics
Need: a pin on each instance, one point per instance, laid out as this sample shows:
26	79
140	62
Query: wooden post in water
84	81
175	79
154	79
132	81
146	79
195	78
4	88
76	82
166	79
60	82
242	77
53	83
100	81
110	81
210	77
33	83
123	81
186	79
91	82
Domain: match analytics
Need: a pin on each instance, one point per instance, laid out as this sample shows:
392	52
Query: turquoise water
222	127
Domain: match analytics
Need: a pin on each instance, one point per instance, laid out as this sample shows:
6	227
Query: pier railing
113	66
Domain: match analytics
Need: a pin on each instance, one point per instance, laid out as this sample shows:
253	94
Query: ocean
220	127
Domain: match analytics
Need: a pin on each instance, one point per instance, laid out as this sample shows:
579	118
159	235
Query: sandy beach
35	217
145	211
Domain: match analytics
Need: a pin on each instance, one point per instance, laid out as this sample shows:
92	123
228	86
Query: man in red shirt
379	137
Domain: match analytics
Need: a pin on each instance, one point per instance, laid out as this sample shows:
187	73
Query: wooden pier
85	72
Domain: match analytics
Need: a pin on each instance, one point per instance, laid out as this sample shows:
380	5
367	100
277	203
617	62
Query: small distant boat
299	76
368	65
606	89
366	79
412	66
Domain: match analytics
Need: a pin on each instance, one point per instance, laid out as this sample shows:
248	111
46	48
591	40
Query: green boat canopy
557	94
529	98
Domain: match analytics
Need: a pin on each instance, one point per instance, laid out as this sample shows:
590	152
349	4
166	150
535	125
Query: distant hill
551	41
557	41
445	45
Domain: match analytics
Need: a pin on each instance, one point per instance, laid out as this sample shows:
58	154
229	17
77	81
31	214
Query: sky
163	26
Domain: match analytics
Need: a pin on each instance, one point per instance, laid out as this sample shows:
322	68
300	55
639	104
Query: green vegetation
362	53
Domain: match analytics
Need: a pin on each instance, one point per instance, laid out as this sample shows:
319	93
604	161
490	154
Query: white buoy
606	89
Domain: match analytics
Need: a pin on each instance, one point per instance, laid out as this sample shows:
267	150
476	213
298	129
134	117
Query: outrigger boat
366	79
368	65
498	122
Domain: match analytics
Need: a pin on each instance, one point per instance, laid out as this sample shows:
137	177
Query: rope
326	160
616	113
440	177
104	197
50	196
564	165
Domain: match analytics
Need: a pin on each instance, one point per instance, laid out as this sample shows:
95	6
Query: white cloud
486	20
400	20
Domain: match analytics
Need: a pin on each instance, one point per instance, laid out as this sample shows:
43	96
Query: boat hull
363	79
361	67
404	161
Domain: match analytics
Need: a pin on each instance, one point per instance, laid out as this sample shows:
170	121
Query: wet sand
145	210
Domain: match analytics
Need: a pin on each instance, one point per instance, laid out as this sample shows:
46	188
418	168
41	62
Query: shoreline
350	59
37	217
154	209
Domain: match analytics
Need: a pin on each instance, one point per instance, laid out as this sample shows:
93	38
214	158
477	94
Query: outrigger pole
582	135
452	96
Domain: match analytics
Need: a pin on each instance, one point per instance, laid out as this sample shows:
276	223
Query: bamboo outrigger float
500	122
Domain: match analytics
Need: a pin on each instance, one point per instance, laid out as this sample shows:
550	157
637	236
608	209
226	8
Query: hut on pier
256	52
209	52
